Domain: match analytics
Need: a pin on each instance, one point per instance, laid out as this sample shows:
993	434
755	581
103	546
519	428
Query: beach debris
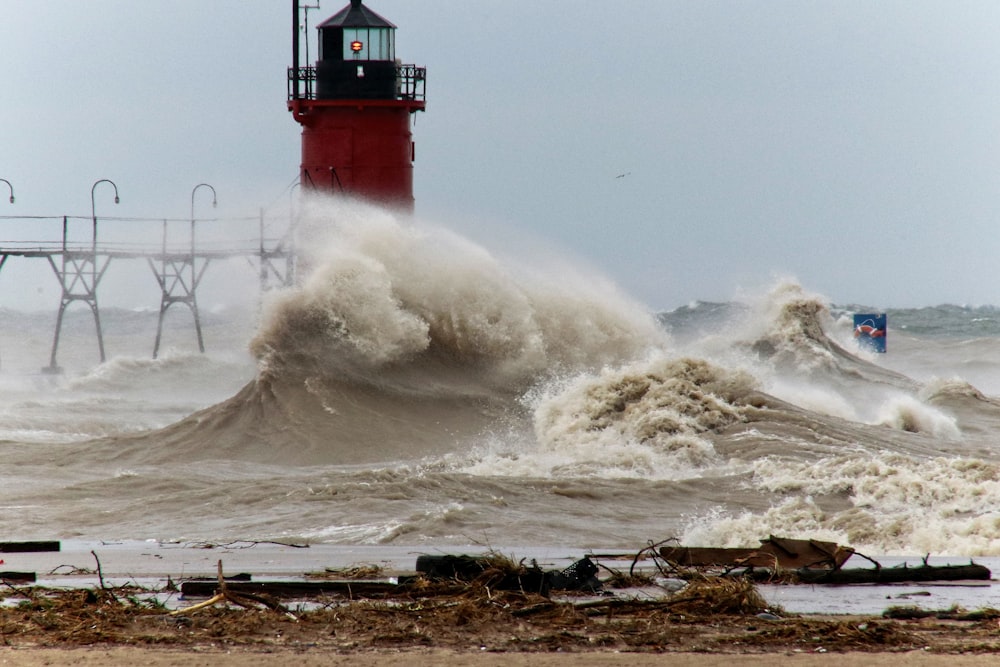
362	571
710	613
907	596
718	615
436	575
810	561
954	613
580	576
298	589
100	572
633	579
21	548
223	594
504	574
28	547
720	595
773	552
244	544
895	575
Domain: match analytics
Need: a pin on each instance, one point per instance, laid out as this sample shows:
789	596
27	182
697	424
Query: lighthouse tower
354	106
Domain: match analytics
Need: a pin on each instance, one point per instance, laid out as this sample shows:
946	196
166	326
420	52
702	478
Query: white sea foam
649	420
897	504
907	413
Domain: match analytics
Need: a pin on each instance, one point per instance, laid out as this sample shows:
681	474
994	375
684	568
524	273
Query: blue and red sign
869	330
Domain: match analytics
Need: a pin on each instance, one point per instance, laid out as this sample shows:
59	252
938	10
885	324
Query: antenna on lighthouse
294	75
305	25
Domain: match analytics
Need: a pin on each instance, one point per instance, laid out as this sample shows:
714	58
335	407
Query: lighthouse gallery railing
410	83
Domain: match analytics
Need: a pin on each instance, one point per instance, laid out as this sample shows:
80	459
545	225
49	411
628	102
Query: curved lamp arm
93	206
11	189
214	204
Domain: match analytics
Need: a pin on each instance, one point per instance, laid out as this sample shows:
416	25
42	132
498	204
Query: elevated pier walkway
178	266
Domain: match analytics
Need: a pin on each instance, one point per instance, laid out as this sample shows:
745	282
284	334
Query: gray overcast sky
850	144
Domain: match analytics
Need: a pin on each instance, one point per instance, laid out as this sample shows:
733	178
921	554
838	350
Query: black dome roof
355	15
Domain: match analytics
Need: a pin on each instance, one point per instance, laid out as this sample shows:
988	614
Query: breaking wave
404	341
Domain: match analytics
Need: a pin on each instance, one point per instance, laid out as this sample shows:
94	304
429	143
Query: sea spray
382	294
908	413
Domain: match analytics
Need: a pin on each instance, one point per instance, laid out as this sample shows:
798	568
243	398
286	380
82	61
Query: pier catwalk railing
178	266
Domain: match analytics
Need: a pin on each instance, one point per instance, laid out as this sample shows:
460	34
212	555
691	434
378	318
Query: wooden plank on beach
242	576
895	575
294	588
28	547
17	576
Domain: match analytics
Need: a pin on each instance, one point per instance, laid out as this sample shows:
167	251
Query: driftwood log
894	575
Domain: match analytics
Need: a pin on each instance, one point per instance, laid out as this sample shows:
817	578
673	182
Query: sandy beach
122	656
170	658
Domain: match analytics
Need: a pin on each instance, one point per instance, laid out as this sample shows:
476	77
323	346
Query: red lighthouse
354	106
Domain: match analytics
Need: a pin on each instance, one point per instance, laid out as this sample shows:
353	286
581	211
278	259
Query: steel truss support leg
178	278
79	275
284	249
269	266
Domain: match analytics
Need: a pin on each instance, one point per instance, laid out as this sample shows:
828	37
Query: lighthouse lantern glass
375	44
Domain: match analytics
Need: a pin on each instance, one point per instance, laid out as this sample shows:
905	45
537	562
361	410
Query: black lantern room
357	55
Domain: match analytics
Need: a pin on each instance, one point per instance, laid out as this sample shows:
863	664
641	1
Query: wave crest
383	297
649	403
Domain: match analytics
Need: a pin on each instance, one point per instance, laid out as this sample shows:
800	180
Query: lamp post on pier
79	274
93	209
214	204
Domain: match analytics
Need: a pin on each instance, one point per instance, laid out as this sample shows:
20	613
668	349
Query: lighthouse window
368	44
